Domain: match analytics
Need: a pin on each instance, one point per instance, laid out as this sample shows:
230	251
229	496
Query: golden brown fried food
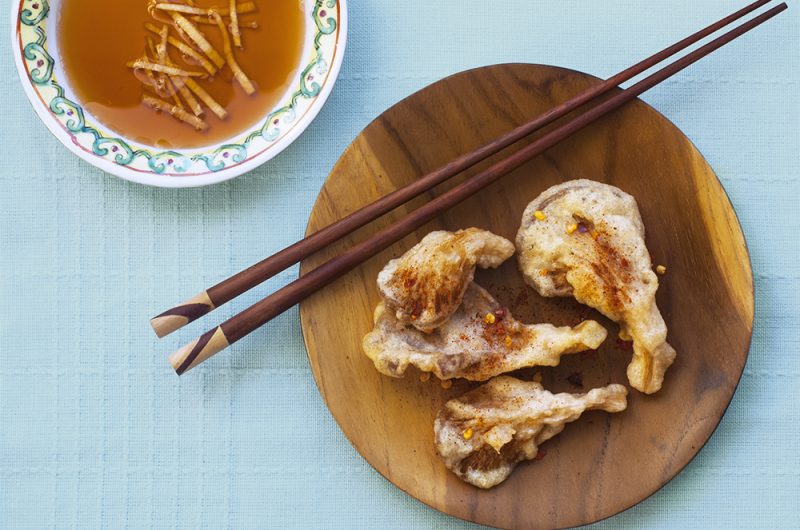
484	434
479	341
586	239
426	284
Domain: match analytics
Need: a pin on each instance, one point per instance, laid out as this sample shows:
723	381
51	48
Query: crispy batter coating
483	434
479	341
588	242
426	284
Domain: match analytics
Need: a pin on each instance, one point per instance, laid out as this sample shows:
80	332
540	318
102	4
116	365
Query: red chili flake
626	345
541	454
575	379
501	313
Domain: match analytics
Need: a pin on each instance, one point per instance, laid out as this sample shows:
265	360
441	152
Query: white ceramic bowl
36	55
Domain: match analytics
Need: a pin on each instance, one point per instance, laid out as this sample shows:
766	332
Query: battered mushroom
481	340
426	284
484	434
586	239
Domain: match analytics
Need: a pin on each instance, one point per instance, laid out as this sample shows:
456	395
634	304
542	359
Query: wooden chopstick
262	312
225	291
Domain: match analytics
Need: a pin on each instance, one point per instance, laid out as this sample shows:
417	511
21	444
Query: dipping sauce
99	39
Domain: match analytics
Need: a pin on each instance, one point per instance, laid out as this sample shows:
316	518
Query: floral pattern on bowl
91	140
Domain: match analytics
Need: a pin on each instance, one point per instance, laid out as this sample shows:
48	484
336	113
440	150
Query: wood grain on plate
602	463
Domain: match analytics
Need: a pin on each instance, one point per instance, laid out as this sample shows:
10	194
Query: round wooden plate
602	463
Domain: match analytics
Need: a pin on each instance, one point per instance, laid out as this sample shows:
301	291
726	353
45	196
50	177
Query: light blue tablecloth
96	430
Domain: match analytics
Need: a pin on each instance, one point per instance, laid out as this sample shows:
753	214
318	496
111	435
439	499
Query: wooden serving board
601	464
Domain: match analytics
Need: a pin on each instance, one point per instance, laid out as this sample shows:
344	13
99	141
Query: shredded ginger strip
210	22
163	68
206	98
238	74
243	8
197	36
186	50
237	35
175	111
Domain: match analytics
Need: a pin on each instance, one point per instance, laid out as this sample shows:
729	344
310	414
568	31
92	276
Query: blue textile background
96	430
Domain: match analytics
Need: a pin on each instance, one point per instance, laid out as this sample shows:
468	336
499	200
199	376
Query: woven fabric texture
96	430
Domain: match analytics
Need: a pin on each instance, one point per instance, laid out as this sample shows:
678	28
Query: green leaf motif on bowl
34	11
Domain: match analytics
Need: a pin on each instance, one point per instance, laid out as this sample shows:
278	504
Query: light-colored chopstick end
198	350
180	315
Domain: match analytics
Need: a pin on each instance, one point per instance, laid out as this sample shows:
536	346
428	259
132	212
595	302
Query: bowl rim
181	181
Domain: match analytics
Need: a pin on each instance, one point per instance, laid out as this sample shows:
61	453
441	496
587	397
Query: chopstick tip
182	314
197	351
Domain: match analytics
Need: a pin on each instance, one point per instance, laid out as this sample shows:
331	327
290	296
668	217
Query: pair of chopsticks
273	305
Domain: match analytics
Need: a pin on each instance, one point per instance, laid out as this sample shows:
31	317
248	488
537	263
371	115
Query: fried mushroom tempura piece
586	239
480	340
482	435
426	284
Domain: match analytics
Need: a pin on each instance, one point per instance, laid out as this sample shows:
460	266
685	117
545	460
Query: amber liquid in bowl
97	38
